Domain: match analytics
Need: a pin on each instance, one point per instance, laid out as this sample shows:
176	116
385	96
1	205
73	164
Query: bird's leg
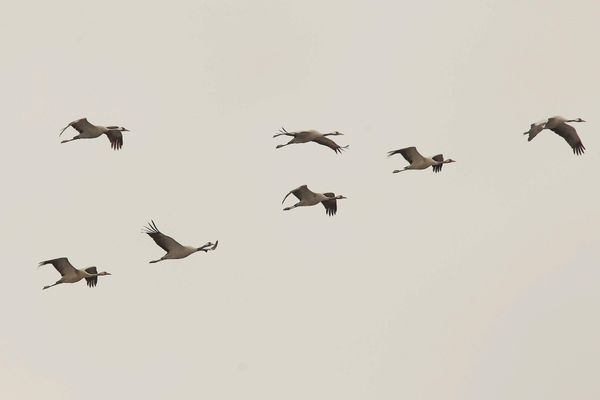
399	170
46	287
283	145
155	261
70	140
290	207
282	132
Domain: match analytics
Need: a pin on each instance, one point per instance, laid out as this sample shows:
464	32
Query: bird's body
70	274
309	198
417	161
311	136
558	125
173	248
89	131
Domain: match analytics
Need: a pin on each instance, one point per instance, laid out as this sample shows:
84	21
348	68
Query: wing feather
300	192
92	281
165	242
330	205
438	158
534	129
116	139
410	154
325	141
62	265
80	125
570	135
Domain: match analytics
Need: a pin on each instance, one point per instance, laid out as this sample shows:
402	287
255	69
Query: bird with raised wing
70	274
172	247
309	198
311	136
89	131
417	161
559	126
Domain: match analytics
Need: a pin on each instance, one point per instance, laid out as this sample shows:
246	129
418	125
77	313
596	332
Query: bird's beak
108	273
126	130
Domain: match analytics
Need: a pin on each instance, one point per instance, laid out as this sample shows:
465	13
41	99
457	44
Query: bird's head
336	133
122	129
104	273
340	197
450	160
578	120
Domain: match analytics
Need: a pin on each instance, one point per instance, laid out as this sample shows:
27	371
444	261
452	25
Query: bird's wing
410	154
116	139
570	135
330	205
167	243
62	265
92	281
300	192
438	158
325	141
534	129
80	125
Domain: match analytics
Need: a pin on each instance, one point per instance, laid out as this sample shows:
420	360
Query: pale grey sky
479	282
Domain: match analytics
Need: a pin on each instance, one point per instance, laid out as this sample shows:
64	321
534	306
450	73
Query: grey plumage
89	131
559	126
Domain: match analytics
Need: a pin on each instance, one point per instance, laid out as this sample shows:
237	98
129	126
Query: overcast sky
480	282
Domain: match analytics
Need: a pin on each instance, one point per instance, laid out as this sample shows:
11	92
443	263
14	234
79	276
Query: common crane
559	126
89	131
70	274
417	161
172	247
309	198
311	136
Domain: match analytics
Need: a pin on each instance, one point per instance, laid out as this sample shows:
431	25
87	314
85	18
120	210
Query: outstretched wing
330	205
300	192
535	129
410	154
570	135
62	265
116	139
80	125
165	242
438	158
325	141
92	281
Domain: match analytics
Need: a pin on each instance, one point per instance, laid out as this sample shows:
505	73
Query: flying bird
311	136
309	198
559	126
70	274
172	247
417	161
88	131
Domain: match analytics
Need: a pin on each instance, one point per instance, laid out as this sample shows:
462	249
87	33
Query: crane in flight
172	247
